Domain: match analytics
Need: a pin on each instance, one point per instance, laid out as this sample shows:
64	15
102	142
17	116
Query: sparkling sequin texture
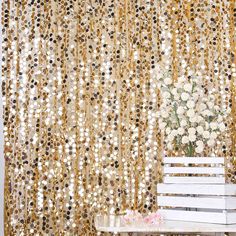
81	102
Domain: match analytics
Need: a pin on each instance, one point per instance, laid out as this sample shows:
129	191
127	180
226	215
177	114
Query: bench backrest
194	170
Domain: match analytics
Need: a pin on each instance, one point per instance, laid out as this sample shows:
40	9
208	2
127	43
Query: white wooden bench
194	189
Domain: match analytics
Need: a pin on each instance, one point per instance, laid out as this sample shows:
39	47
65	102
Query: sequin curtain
81	102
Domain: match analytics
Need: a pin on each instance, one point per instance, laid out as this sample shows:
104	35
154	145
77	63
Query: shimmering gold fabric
81	102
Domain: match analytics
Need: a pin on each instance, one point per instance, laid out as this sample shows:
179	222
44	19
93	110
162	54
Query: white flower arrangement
189	118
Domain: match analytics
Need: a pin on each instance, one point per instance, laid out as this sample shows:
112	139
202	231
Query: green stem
176	115
190	150
194	84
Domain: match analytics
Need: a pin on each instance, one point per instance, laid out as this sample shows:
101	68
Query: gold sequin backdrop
81	102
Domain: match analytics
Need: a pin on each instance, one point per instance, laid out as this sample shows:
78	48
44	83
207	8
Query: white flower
181	79
200	143
166	95
162	125
174	132
204	113
192	137
206	134
210	142
190	104
169	146
191	130
213	135
193	119
176	96
220	119
164	114
202	107
199	149
165	103
199	119
210	105
180	131
167	81
228	110
178	85
183	123
184	96
170	137
190	113
174	91
207	113
200	129
213	125
222	127
210	113
195	96
193	108
180	110
212	97
168	130
185	140
188	87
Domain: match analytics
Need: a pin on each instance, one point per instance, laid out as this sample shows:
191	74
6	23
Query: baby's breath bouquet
189	118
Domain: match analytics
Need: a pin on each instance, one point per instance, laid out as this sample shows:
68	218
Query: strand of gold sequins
81	102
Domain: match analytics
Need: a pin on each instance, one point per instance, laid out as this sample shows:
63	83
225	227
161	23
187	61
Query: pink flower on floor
135	216
132	216
153	218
